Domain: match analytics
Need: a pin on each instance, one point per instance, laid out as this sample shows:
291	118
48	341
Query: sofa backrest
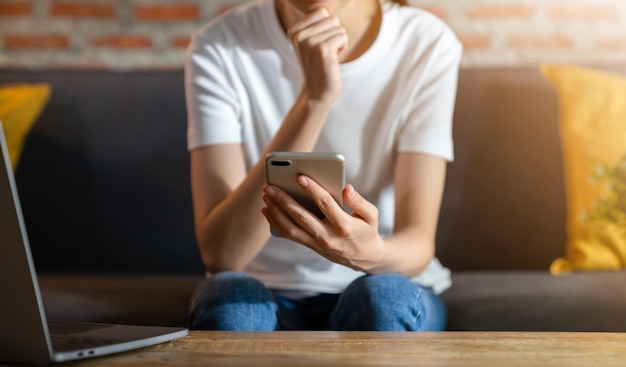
505	204
104	177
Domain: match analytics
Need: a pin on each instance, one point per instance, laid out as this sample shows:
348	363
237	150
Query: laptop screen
24	328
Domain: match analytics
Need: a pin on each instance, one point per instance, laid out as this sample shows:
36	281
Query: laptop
26	336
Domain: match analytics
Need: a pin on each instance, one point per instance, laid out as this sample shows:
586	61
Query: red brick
35	41
15	9
167	12
180	41
82	9
122	42
65	65
475	41
502	11
556	42
585	12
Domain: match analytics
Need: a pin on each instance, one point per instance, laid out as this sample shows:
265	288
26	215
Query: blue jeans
386	302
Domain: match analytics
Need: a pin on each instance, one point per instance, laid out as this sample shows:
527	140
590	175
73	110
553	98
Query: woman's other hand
319	40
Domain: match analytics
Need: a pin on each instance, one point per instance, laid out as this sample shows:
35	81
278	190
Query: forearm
231	234
419	181
407	252
301	126
233	231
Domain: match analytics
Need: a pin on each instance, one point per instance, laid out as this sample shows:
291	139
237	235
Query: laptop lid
24	329
25	334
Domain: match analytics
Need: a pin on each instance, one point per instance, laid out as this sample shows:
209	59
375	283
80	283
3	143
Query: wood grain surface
277	349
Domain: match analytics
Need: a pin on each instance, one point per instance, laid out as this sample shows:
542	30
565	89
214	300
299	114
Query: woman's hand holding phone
350	239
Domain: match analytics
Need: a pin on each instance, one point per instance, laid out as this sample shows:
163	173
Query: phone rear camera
281	163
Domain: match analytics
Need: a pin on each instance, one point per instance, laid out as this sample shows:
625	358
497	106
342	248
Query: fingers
360	207
310	19
286	212
319	42
323	199
316	29
288	217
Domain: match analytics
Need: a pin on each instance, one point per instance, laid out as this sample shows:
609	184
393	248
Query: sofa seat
537	301
161	300
477	301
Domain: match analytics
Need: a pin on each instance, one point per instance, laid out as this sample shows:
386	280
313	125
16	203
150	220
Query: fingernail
303	181
269	190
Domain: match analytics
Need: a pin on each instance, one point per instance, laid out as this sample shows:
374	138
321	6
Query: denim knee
232	301
382	302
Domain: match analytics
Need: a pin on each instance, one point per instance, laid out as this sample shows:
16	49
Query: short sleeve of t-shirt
212	102
428	126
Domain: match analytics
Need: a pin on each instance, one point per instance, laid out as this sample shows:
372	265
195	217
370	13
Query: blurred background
136	34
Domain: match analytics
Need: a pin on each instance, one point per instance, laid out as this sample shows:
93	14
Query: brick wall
526	32
154	33
101	33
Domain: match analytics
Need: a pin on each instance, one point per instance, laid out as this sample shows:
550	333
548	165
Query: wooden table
480	349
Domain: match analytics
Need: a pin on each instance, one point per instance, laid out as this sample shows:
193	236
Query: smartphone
327	169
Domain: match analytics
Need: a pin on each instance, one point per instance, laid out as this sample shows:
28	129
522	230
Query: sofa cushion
20	105
592	126
537	301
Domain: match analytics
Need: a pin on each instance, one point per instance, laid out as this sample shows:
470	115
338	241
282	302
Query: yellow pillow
592	125
20	105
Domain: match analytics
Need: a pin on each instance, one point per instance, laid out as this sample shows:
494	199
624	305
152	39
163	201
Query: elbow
216	262
426	255
213	266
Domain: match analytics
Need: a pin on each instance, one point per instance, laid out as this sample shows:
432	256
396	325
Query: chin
307	6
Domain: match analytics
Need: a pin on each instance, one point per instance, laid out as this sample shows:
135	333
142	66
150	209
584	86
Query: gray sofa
104	185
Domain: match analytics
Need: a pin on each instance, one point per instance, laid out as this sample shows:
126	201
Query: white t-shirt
242	77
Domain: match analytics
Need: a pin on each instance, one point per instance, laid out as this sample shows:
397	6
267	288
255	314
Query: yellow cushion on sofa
20	105
592	125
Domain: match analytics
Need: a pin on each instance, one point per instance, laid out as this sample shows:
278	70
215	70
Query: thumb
361	208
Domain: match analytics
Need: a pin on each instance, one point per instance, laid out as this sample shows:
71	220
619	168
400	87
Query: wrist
377	262
323	100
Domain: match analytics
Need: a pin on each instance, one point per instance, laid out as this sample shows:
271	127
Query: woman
370	79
